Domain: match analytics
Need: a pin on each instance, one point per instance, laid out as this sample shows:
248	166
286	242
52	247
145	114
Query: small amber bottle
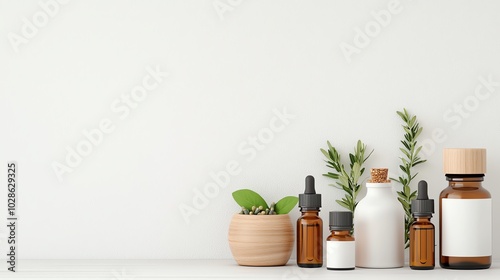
465	217
422	231
340	246
310	228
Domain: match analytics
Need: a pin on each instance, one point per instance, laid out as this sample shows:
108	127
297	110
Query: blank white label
340	254
466	227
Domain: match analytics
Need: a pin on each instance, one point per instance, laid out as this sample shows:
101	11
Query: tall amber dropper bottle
309	228
422	231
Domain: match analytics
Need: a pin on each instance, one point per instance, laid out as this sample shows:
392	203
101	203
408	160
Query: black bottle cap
340	220
422	206
309	200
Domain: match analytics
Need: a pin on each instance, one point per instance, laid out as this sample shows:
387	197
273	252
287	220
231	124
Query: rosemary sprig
344	179
409	159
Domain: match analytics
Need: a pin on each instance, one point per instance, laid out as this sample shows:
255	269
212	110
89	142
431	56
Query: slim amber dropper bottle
422	231
309	228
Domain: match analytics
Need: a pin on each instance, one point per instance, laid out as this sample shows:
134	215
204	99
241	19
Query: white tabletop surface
219	269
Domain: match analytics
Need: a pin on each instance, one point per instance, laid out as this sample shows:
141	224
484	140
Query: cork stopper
464	161
379	175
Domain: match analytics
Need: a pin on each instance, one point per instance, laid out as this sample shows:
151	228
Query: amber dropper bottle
309	228
422	231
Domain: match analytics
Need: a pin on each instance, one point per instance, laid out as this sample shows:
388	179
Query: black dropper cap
422	206
309	200
340	220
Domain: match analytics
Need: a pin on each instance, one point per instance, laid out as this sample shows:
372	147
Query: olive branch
409	159
346	180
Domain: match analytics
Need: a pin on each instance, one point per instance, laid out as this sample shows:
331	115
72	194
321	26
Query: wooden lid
464	161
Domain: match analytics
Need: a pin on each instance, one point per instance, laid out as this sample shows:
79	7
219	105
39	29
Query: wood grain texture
261	240
464	161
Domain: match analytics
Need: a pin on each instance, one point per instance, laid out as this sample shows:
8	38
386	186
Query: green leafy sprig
409	159
253	204
344	179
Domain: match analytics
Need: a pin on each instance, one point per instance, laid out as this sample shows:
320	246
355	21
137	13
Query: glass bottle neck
309	212
341	232
465	180
422	218
465	177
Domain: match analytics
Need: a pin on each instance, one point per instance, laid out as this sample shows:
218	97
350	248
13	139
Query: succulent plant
253	204
258	210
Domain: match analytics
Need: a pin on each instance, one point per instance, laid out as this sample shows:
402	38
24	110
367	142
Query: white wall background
228	72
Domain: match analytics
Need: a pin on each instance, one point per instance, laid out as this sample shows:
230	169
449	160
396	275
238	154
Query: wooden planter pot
261	240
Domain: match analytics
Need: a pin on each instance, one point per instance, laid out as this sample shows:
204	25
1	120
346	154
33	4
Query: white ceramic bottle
379	225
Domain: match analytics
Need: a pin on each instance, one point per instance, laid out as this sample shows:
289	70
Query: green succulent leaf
248	198
286	204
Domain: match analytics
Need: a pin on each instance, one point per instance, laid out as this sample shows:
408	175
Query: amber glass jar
465	212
